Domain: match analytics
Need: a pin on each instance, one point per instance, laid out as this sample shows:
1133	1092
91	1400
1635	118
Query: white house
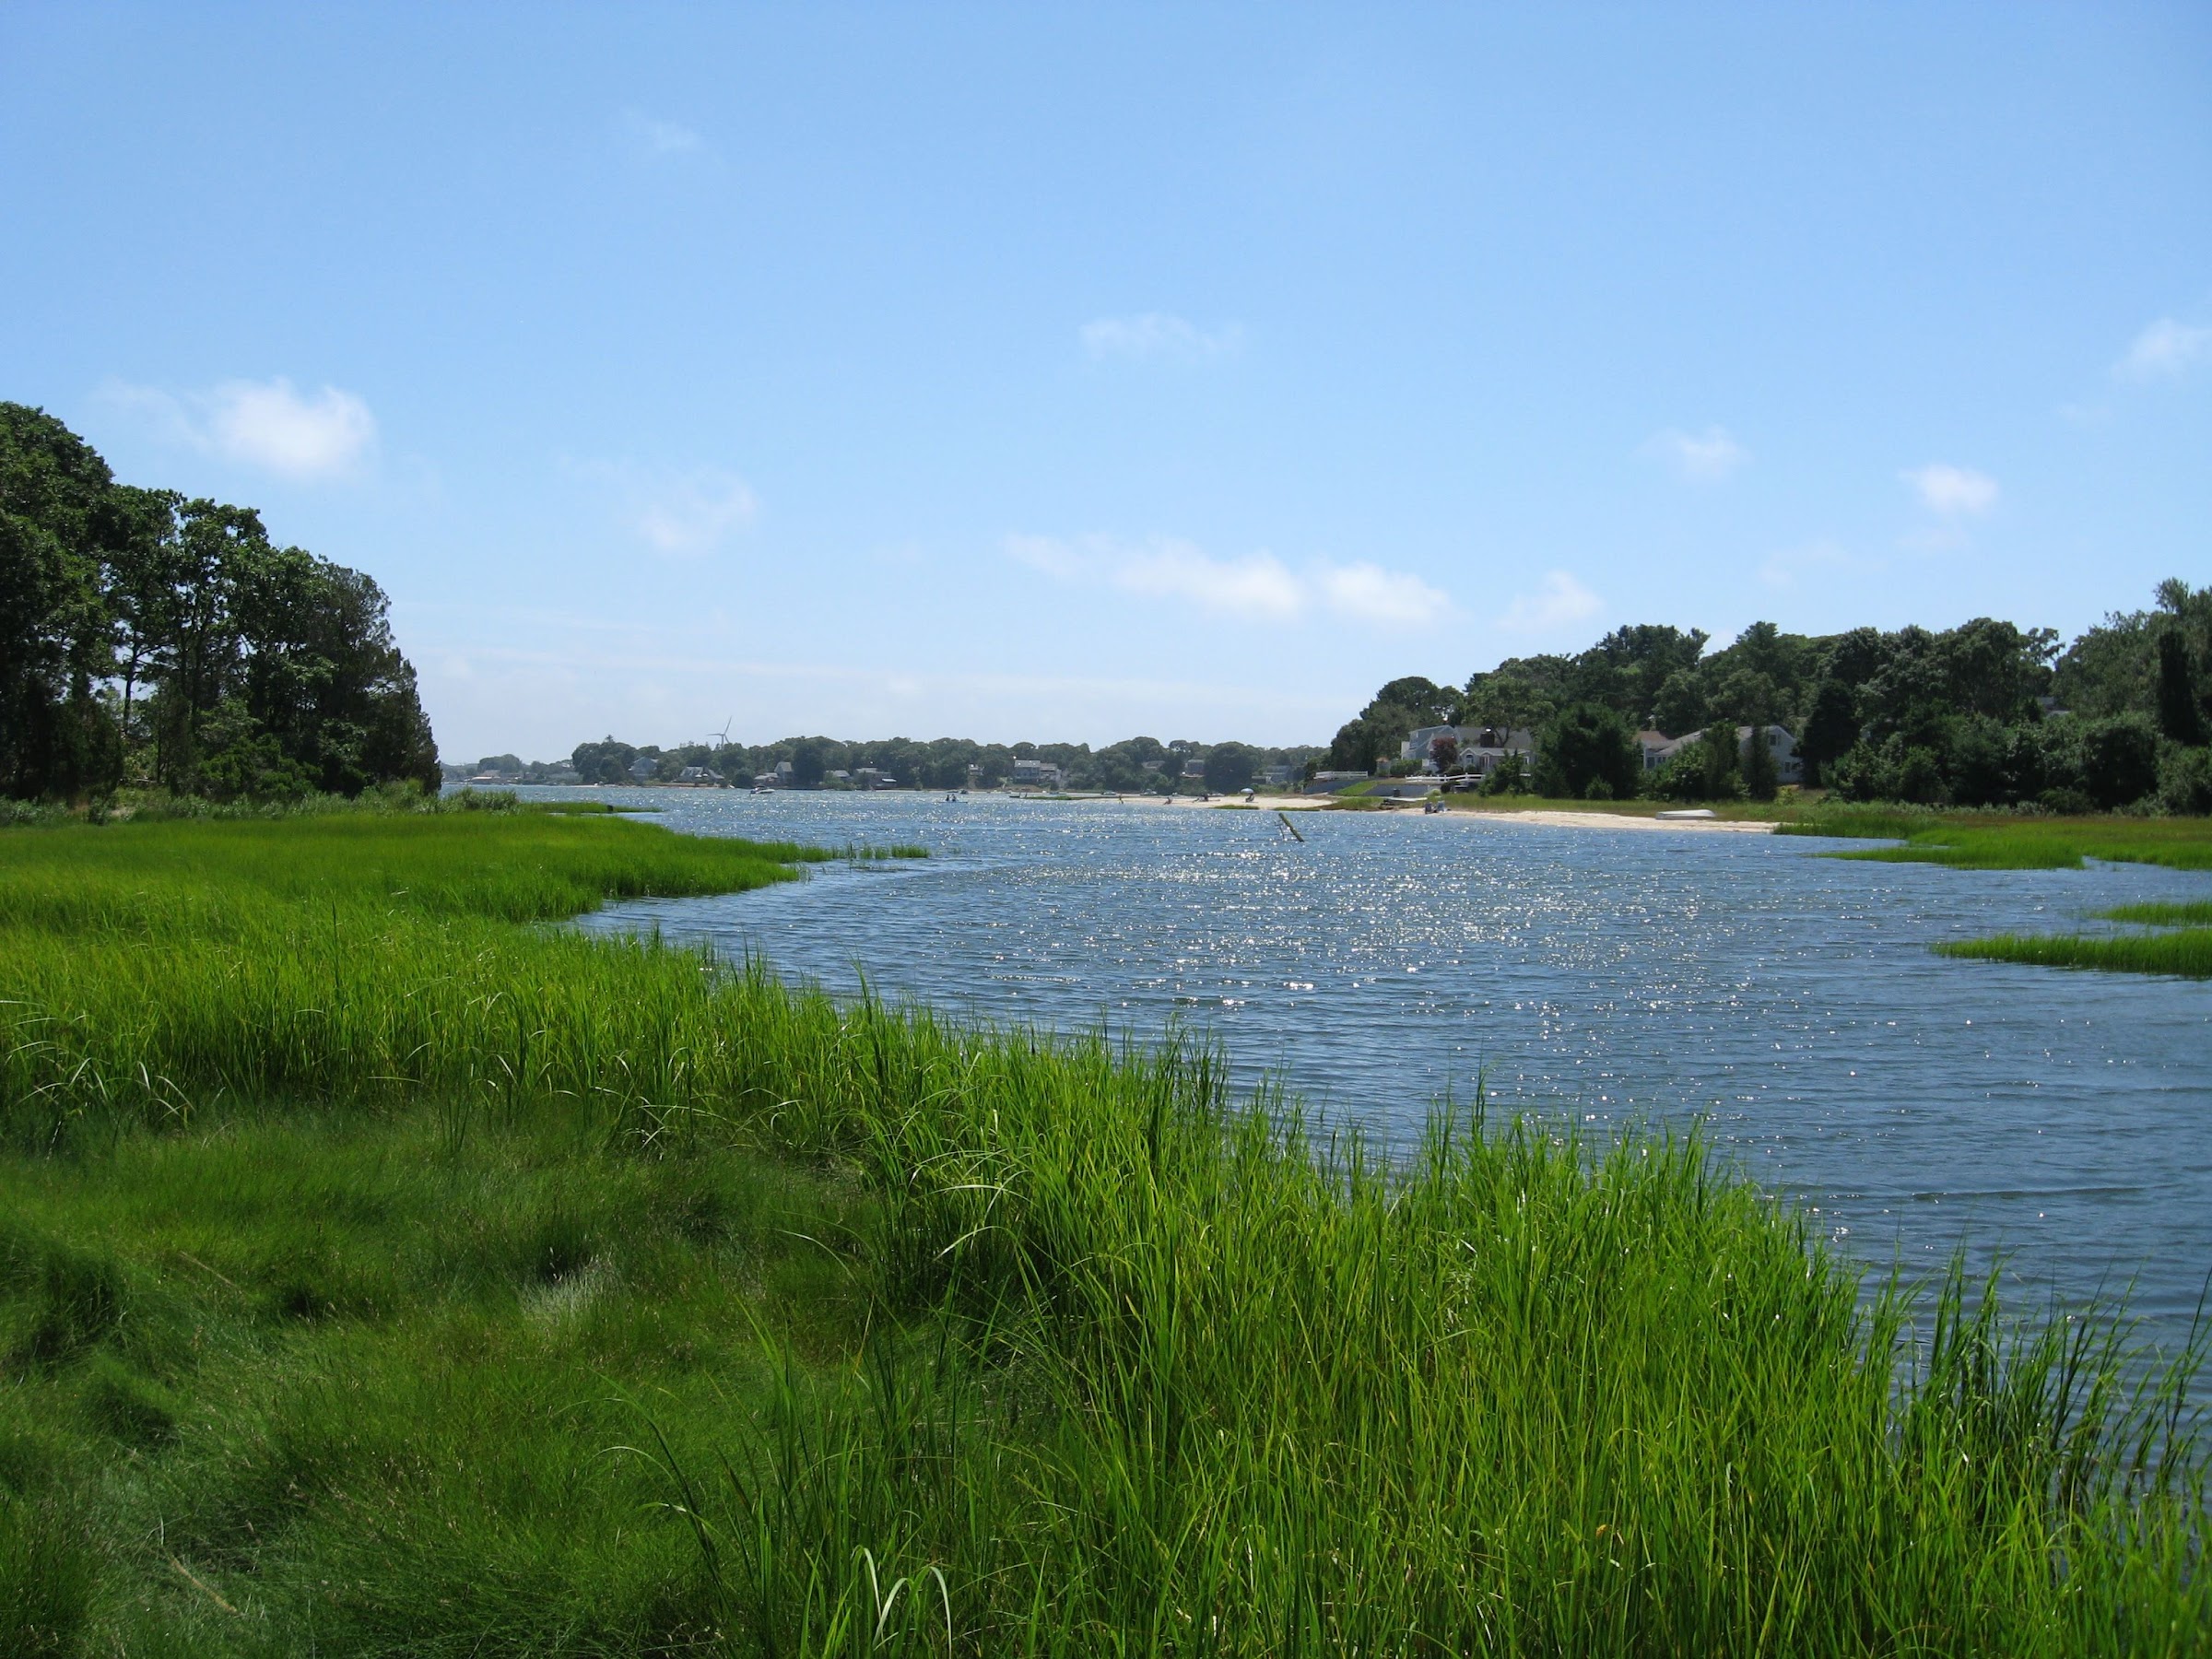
1789	768
1481	747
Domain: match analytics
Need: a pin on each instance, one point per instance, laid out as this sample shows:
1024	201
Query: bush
2185	780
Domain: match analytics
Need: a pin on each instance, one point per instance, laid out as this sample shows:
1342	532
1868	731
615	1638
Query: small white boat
1688	812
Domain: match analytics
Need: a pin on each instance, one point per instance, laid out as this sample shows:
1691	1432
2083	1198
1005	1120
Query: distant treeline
147	639
1134	765
1984	714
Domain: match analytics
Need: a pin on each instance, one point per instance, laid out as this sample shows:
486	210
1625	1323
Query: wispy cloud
1794	565
1556	601
657	137
2166	350
683	512
1367	592
265	424
1257	587
1710	456
1153	335
1952	491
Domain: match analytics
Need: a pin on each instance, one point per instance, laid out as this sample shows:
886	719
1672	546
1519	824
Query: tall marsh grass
1118	1361
1996	840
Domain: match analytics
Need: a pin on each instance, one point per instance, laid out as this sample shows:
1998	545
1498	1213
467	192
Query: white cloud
1367	592
696	512
268	424
1953	492
676	511
2165	350
1258	587
659	138
1707	458
1557	600
1157	334
1255	588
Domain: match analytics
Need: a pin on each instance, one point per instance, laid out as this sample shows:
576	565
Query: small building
1789	766
1481	747
1037	774
643	769
700	777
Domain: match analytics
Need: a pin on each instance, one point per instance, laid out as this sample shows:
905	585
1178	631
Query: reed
384	1270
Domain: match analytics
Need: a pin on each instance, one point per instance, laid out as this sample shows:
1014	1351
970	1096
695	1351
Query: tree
1589	744
2181	717
1444	752
1831	728
56	515
1759	773
807	764
1716	759
1228	767
1680	706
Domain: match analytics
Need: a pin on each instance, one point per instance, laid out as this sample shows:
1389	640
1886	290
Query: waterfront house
1789	767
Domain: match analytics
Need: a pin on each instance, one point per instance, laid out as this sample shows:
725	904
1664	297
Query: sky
1063	373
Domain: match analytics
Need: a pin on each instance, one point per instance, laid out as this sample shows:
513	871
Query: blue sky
1064	373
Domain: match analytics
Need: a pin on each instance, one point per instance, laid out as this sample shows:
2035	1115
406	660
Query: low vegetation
384	1270
1994	841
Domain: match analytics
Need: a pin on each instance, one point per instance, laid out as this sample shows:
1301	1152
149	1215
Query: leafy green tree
604	762
1588	744
1228	767
1831	728
1680	706
56	517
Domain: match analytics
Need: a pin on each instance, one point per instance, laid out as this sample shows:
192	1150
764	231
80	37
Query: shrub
2185	780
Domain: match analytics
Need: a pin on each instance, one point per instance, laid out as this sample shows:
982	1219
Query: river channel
1789	1003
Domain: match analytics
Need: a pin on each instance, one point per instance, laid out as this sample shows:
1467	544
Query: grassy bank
385	1272
1992	840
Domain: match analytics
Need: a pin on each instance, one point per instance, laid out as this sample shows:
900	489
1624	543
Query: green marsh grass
1990	841
2186	954
383	1270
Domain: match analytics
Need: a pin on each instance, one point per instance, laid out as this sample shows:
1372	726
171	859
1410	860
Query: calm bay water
1788	1001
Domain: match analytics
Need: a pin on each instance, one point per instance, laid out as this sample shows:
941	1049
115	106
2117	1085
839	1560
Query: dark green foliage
2180	709
1952	717
1396	709
58	523
1831	726
1761	774
1587	745
2185	780
1229	766
145	638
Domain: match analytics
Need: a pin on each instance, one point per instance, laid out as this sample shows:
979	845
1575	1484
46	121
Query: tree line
1984	714
151	640
1135	766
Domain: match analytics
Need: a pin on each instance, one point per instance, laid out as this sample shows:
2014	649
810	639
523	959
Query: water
1910	1102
